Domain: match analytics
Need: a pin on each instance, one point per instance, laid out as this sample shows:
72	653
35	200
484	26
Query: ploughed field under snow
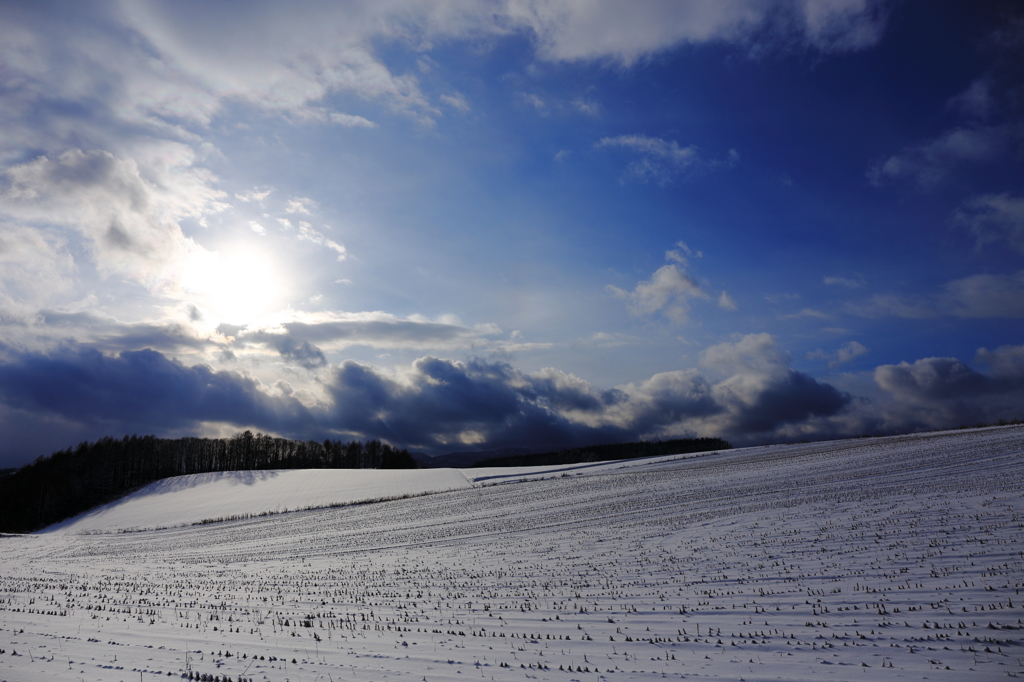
233	495
873	559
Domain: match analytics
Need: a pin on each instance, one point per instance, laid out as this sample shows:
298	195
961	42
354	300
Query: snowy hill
871	559
196	498
199	498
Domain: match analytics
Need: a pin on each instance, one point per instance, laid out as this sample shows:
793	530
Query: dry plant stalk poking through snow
875	559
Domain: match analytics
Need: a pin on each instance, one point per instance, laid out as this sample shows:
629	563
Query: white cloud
534	101
753	353
669	289
162	69
892	305
931	162
654	146
846	353
991	129
152	68
256	195
456	101
490	329
34	266
994	218
850	351
145	81
977	101
1005	362
300	205
775	299
847	282
808	312
313	51
257	228
675	255
985	296
130	223
666	292
627	32
761	393
586	106
842	25
334	331
307	233
323	115
611	340
975	297
351	121
928	379
662	160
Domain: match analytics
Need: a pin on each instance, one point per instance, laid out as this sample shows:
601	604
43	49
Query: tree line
608	452
68	482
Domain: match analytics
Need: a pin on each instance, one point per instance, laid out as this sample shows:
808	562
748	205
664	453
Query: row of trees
610	451
71	481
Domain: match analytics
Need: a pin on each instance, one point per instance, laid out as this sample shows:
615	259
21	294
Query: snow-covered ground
871	559
231	495
198	498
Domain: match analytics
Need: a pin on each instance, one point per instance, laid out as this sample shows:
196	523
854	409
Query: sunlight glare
237	286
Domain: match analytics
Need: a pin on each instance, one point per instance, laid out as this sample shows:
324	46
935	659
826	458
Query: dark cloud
933	379
305	353
564	392
759	405
301	341
761	397
945	392
138	392
448	403
439	404
436	404
110	335
443	401
667	400
386	332
1006	362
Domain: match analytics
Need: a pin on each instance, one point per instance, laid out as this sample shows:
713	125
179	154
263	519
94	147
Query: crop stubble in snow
895	558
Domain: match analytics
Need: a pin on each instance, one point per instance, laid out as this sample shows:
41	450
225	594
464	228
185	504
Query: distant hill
607	452
466	458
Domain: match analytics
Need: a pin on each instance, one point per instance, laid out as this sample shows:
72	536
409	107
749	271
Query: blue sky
476	225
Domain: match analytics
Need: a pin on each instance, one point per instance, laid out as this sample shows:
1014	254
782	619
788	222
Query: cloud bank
745	392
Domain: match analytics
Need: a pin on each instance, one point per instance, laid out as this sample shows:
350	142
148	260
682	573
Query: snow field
198	498
232	495
880	559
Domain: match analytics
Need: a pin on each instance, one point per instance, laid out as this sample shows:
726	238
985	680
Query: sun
237	285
